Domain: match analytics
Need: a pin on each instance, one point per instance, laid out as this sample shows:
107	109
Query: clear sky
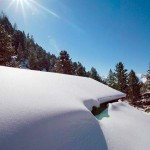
97	33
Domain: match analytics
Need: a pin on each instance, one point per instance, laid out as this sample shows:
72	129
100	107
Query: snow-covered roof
42	111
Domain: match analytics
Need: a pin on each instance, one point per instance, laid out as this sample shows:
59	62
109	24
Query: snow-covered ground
125	127
143	105
43	111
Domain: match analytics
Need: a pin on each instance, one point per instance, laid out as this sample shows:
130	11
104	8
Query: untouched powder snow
125	127
43	111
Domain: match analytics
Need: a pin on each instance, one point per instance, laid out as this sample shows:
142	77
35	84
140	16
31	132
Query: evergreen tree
15	27
111	80
63	64
121	77
94	75
33	61
6	24
20	52
47	61
58	66
52	63
80	70
134	87
74	67
148	80
6	48
88	74
24	45
143	87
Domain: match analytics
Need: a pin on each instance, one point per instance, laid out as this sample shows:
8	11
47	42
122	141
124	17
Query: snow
141	77
125	127
146	93
144	79
40	110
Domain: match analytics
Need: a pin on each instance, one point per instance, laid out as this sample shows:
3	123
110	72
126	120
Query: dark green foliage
143	87
15	42
111	79
94	75
134	87
63	64
6	48
6	23
88	74
57	66
148	80
121	78
33	62
80	70
74	67
52	63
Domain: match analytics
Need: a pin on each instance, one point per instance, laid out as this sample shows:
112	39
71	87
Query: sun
20	0
24	7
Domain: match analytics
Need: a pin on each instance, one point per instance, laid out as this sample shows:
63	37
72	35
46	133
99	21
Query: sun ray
45	9
25	6
23	10
10	5
28	4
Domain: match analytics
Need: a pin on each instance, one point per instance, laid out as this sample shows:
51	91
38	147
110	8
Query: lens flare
23	6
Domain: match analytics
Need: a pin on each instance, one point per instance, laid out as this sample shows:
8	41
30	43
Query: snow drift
43	111
125	127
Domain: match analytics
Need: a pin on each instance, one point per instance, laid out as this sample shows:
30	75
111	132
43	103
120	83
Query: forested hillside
18	49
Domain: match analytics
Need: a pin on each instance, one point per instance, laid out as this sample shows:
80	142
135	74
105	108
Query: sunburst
21	6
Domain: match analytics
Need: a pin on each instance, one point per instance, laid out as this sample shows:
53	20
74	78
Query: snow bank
125	127
40	110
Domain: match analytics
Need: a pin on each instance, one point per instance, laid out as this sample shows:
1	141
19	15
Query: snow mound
125	127
40	110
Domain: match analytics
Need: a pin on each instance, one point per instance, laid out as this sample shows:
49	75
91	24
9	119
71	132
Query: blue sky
97	33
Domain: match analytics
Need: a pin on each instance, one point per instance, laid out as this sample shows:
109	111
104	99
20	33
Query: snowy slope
43	111
125	127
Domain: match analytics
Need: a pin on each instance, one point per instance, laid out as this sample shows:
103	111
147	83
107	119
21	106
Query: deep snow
125	127
43	111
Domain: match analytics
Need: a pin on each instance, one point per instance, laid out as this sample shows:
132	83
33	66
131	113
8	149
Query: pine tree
6	24
143	87
121	77
20	52
111	80
52	63
80	70
134	87
63	64
6	48
94	75
148	80
33	61
24	45
74	67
